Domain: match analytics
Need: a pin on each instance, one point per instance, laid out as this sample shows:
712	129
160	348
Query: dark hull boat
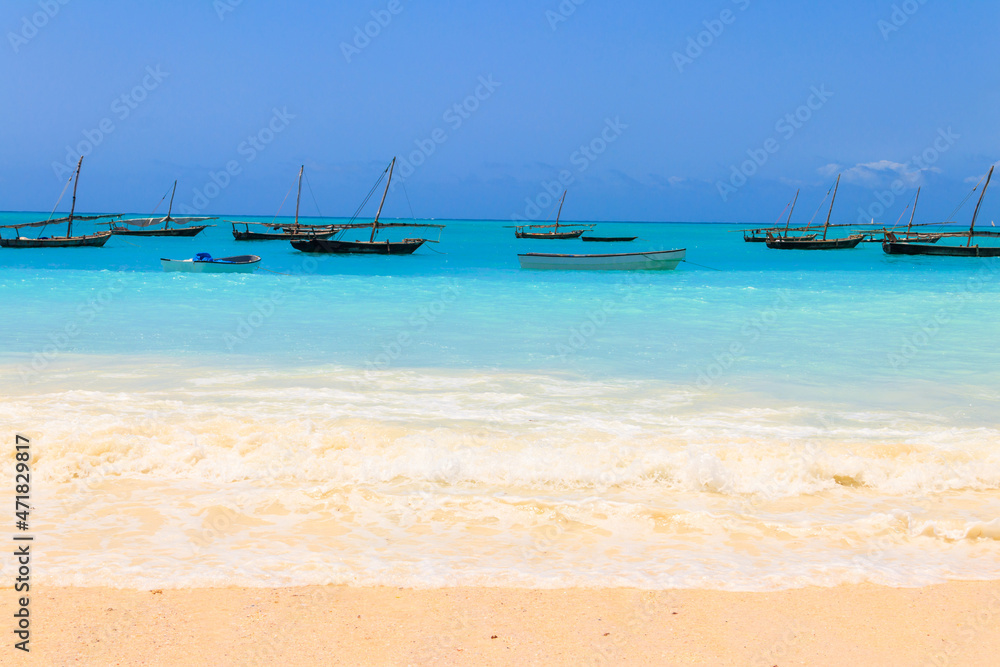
404	247
893	247
371	246
247	235
549	235
150	226
522	232
924	244
86	241
609	239
175	231
95	240
802	243
810	242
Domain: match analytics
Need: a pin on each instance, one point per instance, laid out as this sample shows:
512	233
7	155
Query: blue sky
620	101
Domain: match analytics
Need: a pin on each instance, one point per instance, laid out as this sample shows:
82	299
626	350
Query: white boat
662	260
204	263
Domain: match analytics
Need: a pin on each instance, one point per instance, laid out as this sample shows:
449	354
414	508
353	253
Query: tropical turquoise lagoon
756	419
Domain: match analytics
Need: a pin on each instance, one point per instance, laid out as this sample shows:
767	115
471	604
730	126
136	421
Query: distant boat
282	231
371	246
520	232
907	245
143	224
609	239
95	240
628	261
761	234
204	263
810	242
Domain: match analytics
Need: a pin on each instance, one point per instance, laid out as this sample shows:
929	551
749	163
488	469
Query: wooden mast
830	212
978	204
559	213
375	221
913	212
788	222
170	207
72	208
299	197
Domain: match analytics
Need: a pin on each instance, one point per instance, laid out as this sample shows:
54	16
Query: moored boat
662	260
906	243
150	226
282	231
522	231
809	241
95	240
609	239
371	246
205	263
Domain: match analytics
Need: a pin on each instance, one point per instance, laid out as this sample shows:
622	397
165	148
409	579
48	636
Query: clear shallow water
779	419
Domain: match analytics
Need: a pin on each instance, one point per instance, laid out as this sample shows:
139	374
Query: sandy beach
951	624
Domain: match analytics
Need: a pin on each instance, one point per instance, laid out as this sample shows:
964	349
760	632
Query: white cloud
879	174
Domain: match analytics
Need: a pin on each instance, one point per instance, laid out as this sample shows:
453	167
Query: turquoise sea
756	419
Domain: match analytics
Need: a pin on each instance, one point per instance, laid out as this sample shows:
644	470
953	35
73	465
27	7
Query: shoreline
956	623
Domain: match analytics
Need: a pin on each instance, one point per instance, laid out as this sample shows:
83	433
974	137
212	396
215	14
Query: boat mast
375	221
978	204
170	207
560	209
787	222
913	212
72	208
299	197
830	212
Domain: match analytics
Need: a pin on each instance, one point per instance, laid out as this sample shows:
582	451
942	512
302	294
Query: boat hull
790	243
279	236
608	239
87	241
550	235
663	260
175	231
902	248
238	264
404	247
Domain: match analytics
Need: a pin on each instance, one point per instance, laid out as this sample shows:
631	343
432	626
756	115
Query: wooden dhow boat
145	226
282	231
95	240
760	235
810	242
906	245
609	239
371	246
522	233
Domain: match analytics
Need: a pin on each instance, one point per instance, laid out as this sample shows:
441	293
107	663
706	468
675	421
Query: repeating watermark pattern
974	624
777	652
924	161
698	44
121	108
61	339
751	332
786	127
595	320
900	16
248	149
582	159
929	329
417	323
650	605
363	36
31	25
223	7
562	13
455	116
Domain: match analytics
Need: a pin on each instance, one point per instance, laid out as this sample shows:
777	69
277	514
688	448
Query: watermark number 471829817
22	541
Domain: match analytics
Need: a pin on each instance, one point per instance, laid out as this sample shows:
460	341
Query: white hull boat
659	260
204	263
